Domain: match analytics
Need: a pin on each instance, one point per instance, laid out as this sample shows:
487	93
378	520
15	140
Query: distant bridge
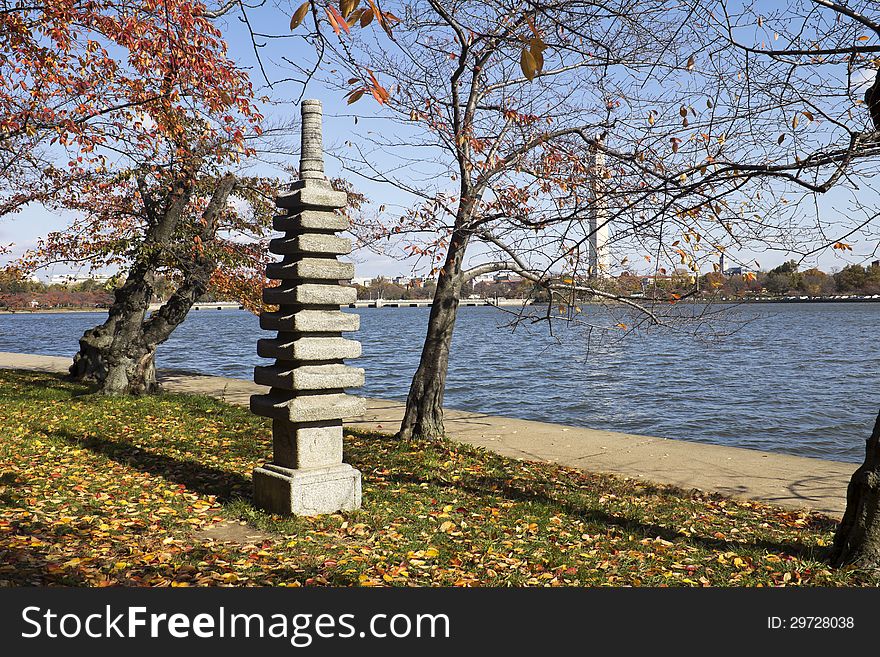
427	303
213	305
370	303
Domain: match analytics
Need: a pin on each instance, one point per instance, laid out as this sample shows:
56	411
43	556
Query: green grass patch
100	491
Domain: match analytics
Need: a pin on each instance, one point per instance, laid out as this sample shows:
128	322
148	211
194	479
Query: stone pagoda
307	401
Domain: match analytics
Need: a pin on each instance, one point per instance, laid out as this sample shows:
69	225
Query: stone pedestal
306	400
307	491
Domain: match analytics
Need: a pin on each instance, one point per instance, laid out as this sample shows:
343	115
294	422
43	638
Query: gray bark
423	418
857	540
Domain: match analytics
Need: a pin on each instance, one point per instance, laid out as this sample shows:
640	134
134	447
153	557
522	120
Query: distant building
653	279
363	281
598	218
74	279
484	278
408	281
737	271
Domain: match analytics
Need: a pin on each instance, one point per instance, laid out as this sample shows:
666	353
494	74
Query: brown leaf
299	14
347	6
536	50
528	65
354	17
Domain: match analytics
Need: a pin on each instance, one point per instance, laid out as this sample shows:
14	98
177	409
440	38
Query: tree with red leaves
83	80
131	114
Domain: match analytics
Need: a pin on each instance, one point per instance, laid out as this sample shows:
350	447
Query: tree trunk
88	363
114	355
857	540
424	405
115	368
119	355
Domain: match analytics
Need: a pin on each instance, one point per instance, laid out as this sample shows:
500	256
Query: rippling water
794	378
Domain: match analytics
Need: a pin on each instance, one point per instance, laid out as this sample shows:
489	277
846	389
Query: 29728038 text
811	623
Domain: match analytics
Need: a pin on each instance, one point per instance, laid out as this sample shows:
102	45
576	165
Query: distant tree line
788	280
19	293
785	280
384	288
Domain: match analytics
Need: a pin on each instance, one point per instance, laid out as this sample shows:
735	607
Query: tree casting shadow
224	485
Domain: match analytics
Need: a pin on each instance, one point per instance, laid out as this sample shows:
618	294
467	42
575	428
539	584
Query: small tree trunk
424	405
119	355
114	355
857	540
113	367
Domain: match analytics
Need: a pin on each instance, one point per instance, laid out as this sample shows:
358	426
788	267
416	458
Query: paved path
789	481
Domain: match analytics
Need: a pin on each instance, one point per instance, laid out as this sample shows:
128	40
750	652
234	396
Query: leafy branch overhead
350	15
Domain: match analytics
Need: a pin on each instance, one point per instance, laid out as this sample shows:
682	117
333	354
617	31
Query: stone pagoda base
307	492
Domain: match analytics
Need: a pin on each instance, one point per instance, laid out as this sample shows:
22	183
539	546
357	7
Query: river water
795	378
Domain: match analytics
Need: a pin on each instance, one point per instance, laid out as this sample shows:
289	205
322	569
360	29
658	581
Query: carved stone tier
311	220
318	195
306	320
280	405
304	244
311	268
306	294
290	375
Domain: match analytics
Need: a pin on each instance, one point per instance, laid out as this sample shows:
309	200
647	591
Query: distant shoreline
852	299
214	305
53	311
464	302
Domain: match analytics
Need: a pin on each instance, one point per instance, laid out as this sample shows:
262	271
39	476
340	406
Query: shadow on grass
10	496
28	567
505	485
288	573
227	486
34	385
497	486
224	485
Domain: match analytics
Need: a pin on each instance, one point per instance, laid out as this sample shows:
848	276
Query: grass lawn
100	491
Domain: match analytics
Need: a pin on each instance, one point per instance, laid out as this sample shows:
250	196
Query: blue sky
33	222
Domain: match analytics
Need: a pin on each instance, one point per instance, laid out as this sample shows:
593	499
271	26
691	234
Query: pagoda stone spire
306	400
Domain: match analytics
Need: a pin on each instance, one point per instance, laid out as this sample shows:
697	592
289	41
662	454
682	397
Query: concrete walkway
789	481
